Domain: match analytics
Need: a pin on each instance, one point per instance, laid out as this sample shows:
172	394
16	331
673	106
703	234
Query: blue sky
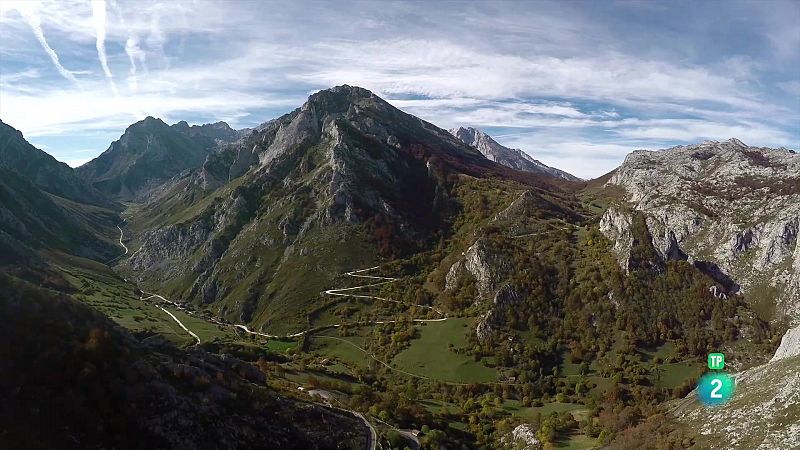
577	84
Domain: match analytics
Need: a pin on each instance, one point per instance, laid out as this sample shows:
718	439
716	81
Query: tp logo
716	361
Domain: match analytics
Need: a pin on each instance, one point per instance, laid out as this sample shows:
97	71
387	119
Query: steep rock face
722	204
49	175
510	157
790	345
167	244
149	153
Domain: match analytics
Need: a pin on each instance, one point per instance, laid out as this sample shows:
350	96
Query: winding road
345	292
191	333
120	242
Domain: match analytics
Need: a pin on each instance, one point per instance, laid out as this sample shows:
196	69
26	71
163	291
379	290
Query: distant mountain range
510	157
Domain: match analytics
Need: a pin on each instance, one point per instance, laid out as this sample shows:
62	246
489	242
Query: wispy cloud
29	11
99	16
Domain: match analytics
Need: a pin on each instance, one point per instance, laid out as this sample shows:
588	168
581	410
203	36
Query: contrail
99	16
36	26
132	49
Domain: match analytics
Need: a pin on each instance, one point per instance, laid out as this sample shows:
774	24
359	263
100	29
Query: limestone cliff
732	209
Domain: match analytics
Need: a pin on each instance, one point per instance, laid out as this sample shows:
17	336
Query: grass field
430	355
438	406
103	290
575	441
662	351
344	352
676	373
206	330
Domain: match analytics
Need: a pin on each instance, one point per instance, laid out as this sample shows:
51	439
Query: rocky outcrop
790	345
522	437
509	157
722	205
616	225
163	247
479	263
505	298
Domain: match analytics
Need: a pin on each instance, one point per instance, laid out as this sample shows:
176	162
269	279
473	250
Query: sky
576	84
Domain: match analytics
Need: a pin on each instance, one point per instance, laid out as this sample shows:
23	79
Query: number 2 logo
714	389
715	392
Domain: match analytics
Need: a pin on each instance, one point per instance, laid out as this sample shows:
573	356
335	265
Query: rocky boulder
522	437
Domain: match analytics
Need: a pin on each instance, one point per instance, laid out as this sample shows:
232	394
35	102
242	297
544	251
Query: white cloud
561	82
697	130
445	69
56	113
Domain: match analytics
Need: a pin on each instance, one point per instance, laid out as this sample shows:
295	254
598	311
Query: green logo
716	361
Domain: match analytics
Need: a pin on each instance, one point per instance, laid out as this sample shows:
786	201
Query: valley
362	264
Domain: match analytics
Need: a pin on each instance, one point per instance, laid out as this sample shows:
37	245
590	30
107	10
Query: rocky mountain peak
149	121
736	142
339	99
209	134
7	129
470	136
513	158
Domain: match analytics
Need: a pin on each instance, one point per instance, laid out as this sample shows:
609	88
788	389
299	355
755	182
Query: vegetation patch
434	354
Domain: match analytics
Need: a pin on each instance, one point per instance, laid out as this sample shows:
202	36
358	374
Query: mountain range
408	277
511	157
